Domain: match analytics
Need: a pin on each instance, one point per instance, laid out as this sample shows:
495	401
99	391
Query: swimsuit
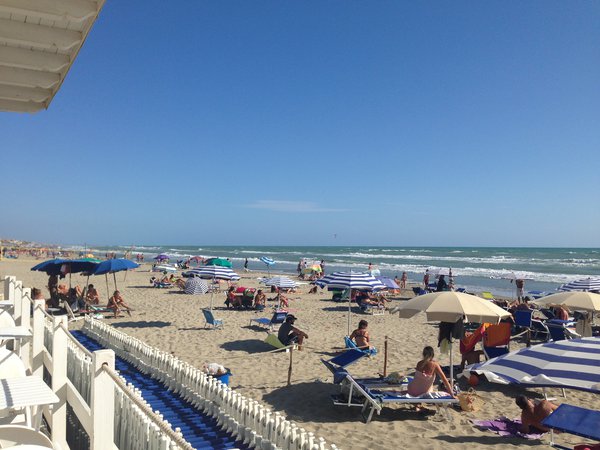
421	384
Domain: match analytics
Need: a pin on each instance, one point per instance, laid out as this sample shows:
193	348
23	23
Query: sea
474	268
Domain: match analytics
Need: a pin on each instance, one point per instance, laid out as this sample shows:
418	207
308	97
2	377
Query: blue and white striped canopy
586	284
215	272
195	286
268	261
280	282
571	364
351	280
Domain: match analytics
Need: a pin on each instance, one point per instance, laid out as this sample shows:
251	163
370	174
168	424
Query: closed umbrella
194	286
572	363
573	300
585	284
349	281
449	306
215	273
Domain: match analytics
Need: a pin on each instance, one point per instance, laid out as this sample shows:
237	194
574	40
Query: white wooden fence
109	411
243	417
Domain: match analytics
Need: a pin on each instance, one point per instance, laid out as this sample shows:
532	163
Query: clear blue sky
279	122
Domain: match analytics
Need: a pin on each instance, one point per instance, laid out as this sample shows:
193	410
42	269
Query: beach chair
574	420
351	344
419	291
488	296
536	328
496	340
210	320
274	341
277	319
558	330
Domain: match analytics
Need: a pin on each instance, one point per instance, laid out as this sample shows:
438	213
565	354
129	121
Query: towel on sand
505	427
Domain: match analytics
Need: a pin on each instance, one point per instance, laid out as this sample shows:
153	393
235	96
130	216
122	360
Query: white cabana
39	40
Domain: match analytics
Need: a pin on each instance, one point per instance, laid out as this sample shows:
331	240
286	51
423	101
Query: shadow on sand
142	324
487	440
248	346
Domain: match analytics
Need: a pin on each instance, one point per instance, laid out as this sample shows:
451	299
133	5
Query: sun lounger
574	420
277	319
274	341
351	344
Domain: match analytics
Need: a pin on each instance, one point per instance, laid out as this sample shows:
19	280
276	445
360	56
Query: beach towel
505	427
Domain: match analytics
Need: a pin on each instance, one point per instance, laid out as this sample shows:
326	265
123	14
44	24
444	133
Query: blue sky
270	122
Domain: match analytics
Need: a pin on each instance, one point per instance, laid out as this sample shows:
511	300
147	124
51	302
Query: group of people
249	298
440	284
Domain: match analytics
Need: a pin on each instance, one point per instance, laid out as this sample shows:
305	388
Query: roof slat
28	78
16	106
31	59
24	94
38	35
52	9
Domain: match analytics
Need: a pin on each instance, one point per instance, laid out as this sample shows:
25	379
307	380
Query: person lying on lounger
532	414
116	303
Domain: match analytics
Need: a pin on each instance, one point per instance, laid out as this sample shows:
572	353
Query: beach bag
470	400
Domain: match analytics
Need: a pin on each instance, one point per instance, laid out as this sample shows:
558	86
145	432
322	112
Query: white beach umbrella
449	306
585	284
572	300
351	280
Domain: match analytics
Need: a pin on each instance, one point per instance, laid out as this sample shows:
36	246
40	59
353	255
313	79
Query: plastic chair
210	320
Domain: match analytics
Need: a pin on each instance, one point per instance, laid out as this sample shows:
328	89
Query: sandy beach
173	322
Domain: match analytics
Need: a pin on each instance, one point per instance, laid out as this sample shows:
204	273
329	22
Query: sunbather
116	303
361	336
92	295
288	333
284	302
532	414
561	312
425	374
260	300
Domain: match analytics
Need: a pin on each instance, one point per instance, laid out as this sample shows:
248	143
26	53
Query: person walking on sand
246	265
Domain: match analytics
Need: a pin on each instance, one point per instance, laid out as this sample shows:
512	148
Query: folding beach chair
574	420
496	340
277	319
536	328
210	320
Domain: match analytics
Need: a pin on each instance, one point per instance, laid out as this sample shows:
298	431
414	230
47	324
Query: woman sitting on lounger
361	336
116	303
425	374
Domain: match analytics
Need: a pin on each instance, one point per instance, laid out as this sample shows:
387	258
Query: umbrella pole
115	278
349	308
212	294
107	288
451	370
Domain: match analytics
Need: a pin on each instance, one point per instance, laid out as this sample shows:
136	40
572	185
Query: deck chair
277	319
559	332
351	344
18	435
210	320
274	341
496	340
419	291
488	296
537	328
573	420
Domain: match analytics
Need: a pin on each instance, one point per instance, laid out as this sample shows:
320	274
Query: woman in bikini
361	336
116	303
425	374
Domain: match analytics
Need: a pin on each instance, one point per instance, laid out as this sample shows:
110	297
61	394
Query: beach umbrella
162	257
51	267
572	363
215	273
388	282
195	286
449	306
280	282
113	266
67	266
585	284
269	262
350	280
218	262
572	299
314	268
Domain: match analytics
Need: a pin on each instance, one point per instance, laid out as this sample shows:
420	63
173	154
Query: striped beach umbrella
586	284
350	280
280	282
215	273
573	363
195	286
269	262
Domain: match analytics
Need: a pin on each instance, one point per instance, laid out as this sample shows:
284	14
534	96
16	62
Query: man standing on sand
426	279
520	284
246	265
532	414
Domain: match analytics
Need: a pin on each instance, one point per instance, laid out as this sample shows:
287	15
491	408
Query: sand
173	322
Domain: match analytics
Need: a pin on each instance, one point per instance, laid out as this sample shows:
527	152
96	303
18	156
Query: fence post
17	301
9	287
59	382
26	322
102	401
37	341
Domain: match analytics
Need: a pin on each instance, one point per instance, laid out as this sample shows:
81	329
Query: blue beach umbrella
51	267
113	266
269	262
349	281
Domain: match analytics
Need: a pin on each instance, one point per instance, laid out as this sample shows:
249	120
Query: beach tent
585	284
572	299
449	306
194	286
573	363
348	281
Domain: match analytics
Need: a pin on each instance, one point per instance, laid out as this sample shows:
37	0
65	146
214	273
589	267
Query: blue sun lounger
351	344
574	420
277	319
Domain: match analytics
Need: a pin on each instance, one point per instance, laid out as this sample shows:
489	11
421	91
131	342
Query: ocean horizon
475	268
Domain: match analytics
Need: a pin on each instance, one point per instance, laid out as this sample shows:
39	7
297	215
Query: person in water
425	375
